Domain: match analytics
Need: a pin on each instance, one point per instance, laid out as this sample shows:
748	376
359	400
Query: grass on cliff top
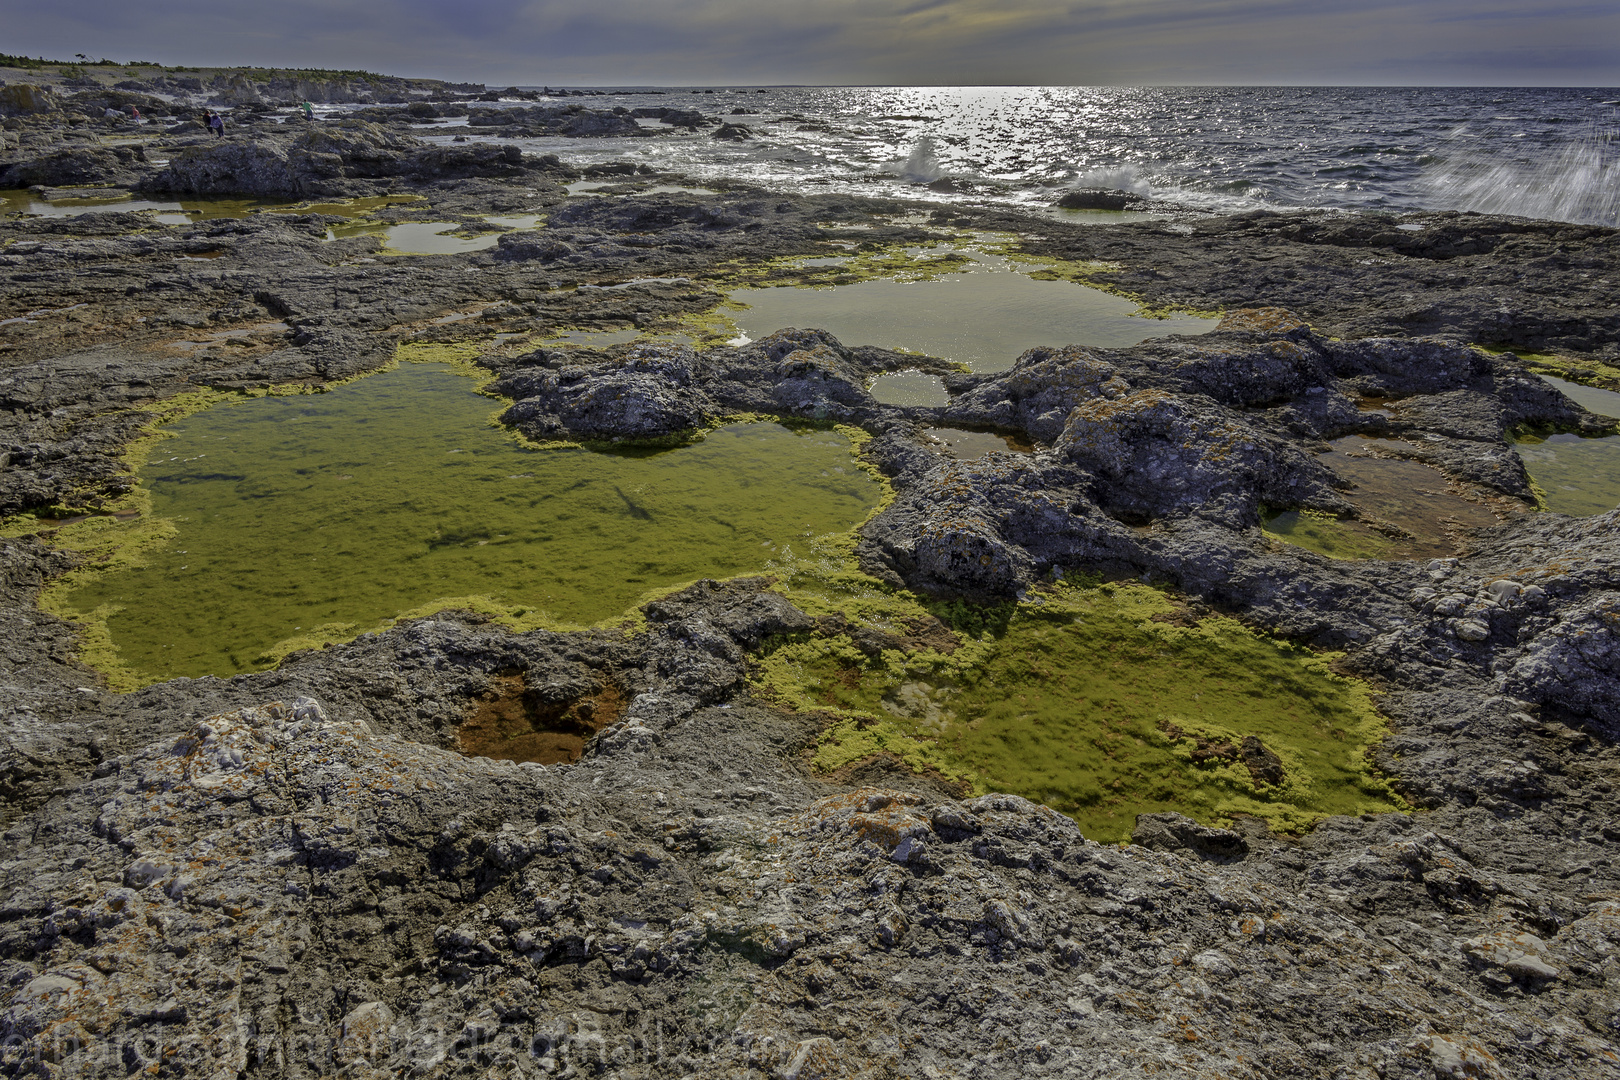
1093	700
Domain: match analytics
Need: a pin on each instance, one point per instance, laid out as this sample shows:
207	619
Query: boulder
527	246
1042	388
22	98
1159	453
231	167
651	395
81	165
1096	199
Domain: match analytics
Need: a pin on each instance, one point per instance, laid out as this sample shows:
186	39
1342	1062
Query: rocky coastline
298	872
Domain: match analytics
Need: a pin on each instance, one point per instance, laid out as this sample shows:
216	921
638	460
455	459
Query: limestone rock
23	98
651	394
1573	666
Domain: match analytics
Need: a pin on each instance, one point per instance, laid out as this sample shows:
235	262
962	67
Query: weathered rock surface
1359	276
319	161
433	913
649	394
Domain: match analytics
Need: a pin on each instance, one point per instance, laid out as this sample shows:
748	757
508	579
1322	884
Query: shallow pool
1590	398
910	388
1406	509
416	237
983	315
1577	476
314	517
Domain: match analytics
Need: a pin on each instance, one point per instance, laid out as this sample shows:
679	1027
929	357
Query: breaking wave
923	165
1578	182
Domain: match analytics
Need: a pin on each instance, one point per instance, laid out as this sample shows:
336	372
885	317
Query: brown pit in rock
509	722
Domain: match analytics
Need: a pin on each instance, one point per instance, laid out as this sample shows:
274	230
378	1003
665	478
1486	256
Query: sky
863	42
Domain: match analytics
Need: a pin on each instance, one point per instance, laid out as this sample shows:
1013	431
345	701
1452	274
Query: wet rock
1096	199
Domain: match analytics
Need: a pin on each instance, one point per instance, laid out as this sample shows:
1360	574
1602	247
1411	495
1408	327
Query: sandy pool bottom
1406	509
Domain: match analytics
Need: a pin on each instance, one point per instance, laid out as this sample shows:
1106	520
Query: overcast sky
882	42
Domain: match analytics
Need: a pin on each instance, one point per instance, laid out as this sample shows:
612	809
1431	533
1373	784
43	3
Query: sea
1535	152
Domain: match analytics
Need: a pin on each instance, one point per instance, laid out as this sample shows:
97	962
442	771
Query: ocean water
1534	152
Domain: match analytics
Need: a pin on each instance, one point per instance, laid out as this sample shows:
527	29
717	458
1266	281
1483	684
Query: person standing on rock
309	111
216	124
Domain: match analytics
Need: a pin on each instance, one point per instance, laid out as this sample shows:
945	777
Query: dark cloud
862	41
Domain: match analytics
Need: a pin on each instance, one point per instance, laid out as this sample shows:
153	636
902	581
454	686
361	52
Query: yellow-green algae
279	523
1586	370
1091	699
1328	535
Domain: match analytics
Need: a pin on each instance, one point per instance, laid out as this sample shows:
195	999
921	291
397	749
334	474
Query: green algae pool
310	518
1102	702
